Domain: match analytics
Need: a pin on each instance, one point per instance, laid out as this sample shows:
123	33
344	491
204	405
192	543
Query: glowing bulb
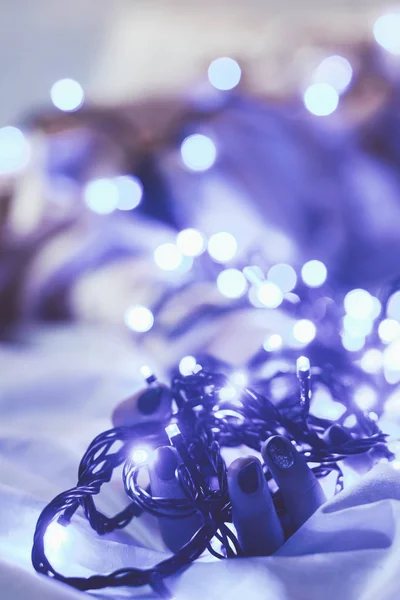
393	307
172	430
314	273
67	95
321	99
139	318
101	196
55	537
334	70
304	331
239	378
222	246
269	294
146	371
187	365
303	364
396	465
372	361
140	455
389	330
130	191
14	150
232	283
190	242
284	276
353	343
224	73
350	421
227	393
273	342
387	32
168	257
365	397
198	152
359	304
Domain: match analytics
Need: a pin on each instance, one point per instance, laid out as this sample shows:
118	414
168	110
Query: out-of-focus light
365	397
396	465
56	535
228	393
139	318
357	327
350	421
391	357
393	307
146	372
321	99
172	430
303	364
198	152
376	311
222	246
324	407
387	32
190	242
353	343
232	283
389	330
269	294
359	304
392	404
224	73
168	257
101	196
187	365
14	150
284	276
67	95
314	273
304	331
273	342
239	378
334	70
130	191
374	417
140	455
372	361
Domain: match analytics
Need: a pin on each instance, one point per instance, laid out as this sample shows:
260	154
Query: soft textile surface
57	391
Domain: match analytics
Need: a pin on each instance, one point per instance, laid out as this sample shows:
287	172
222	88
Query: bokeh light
304	331
314	273
357	327
224	73
139	318
55	537
284	276
140	455
168	257
101	196
334	70
14	150
393	306
372	361
228	393
269	294
353	343
198	152
190	242
359	304
67	95
273	342
365	397
130	191
321	99
387	32
222	246
388	330
187	365
232	283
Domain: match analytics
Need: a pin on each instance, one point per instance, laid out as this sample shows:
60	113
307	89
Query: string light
168	257
67	95
387	32
393	306
55	537
269	294
190	242
187	365
14	150
222	247
372	361
232	283
224	73
198	152
130	191
336	71
365	397
314	273
321	99
357	327
101	196
140	455
389	330
353	343
359	304
273	342
284	276
139	318
304	331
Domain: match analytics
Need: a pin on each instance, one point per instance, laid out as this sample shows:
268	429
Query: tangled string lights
200	425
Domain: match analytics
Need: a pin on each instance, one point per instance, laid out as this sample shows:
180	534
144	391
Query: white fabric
57	391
